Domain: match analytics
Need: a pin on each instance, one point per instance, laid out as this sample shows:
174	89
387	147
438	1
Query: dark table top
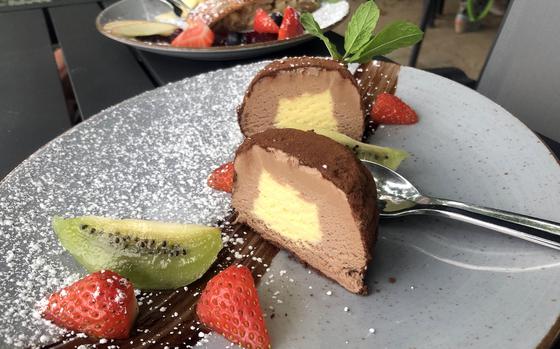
102	73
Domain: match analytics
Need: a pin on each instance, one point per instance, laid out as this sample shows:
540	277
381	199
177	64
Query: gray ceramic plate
435	283
328	15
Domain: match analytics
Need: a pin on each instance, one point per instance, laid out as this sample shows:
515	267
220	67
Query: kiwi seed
123	241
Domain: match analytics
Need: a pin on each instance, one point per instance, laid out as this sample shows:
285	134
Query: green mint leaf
360	28
396	35
313	28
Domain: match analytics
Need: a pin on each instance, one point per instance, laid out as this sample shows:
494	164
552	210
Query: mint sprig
313	28
360	42
360	27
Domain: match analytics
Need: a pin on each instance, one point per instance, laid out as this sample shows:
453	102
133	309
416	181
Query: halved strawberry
291	26
222	178
230	306
196	35
390	109
264	23
101	305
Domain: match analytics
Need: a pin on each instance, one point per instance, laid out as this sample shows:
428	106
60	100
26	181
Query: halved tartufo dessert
304	93
310	195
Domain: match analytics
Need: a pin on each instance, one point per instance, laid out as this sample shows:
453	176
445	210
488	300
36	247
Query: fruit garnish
361	44
196	35
222	178
228	39
132	28
263	23
291	26
390	109
151	254
101	305
386	156
229	305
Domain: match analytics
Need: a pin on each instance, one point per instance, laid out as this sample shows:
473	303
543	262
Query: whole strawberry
196	35
291	25
230	306
101	305
222	178
390	109
263	23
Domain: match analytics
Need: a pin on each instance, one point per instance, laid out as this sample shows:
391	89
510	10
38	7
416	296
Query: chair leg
433	13
428	7
441	6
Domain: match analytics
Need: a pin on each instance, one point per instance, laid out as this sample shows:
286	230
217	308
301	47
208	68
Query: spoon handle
178	7
528	228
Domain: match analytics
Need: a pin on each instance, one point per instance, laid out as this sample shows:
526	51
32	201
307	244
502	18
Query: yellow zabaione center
306	112
283	210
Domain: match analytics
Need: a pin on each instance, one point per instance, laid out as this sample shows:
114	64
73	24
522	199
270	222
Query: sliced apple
132	28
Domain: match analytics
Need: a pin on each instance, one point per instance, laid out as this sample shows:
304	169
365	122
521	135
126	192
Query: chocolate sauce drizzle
157	323
374	78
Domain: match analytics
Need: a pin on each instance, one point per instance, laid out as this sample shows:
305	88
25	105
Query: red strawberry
197	35
230	306
222	178
390	109
291	26
101	305
263	23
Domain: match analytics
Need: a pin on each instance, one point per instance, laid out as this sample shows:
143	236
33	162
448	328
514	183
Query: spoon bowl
395	194
397	197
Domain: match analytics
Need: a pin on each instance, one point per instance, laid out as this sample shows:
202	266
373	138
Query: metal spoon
398	197
178	6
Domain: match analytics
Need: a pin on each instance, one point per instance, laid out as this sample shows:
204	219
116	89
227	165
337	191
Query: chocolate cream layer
309	195
305	93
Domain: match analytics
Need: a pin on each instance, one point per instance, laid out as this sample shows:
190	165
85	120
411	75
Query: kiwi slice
151	254
388	157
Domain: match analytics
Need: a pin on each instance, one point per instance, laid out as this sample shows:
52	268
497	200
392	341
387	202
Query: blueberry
276	17
254	37
219	39
233	38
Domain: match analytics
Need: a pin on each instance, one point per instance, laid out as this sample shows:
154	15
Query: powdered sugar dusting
148	157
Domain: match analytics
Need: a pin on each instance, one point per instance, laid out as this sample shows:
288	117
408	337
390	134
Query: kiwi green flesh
386	156
151	254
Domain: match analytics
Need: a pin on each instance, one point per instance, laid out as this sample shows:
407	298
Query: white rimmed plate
327	16
435	283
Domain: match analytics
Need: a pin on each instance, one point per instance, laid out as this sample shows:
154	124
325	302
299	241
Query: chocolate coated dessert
304	93
310	195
